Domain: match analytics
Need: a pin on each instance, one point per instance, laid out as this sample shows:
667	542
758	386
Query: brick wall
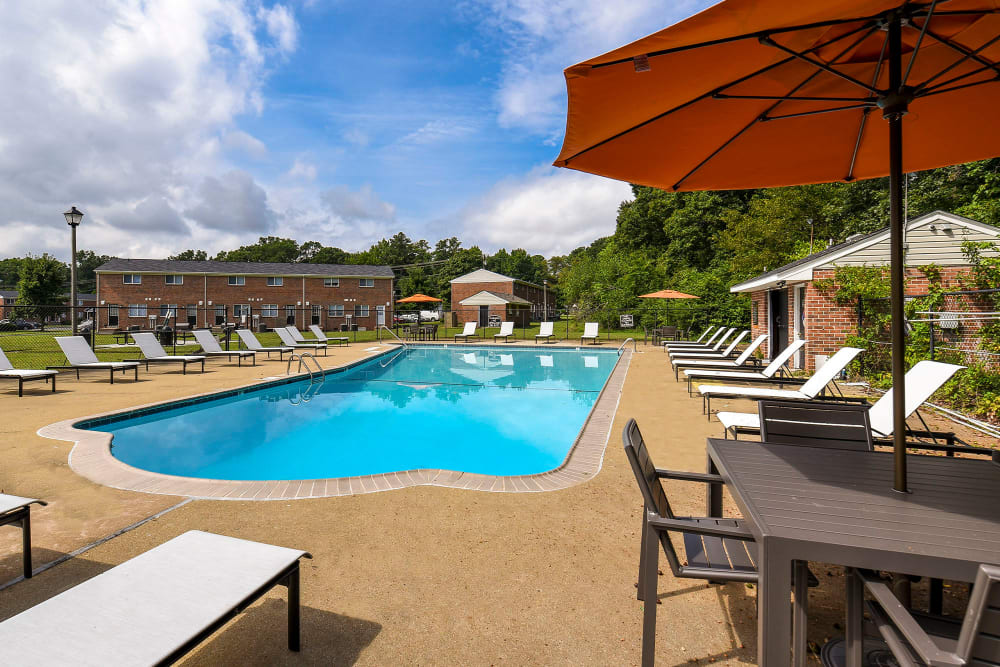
153	292
461	291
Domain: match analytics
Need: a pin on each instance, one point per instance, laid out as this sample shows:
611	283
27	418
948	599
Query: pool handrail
302	356
393	333
624	343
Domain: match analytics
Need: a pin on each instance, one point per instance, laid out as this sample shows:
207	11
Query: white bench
156	607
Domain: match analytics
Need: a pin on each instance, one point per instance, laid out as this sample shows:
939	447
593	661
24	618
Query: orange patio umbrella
419	298
668	294
762	93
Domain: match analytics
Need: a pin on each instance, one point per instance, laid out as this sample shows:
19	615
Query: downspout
204	302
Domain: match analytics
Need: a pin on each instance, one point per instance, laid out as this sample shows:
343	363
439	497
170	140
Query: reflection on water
486	411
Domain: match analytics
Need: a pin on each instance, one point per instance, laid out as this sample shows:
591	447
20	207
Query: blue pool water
493	411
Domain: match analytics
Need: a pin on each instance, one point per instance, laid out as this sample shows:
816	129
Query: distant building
483	295
7	298
207	293
787	305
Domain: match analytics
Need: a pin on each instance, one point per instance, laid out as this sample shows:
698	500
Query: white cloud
540	38
361	206
280	26
303	170
248	144
356	136
233	201
547	211
435	131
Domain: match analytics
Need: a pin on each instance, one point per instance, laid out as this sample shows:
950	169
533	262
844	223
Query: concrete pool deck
416	575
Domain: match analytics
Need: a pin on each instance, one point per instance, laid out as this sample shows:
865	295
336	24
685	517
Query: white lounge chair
699	338
544	332
251	343
155	354
727	352
811	389
289	341
323	338
698	362
210	347
15	509
767	375
920	382
589	333
80	357
156	607
708	344
467	332
712	346
22	375
506	331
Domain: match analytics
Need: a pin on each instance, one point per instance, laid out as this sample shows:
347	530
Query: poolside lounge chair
717	550
699	338
22	375
738	362
506	331
468	332
289	341
544	332
156	607
210	347
712	346
323	338
155	354
915	638
81	358
15	509
919	383
811	389
251	343
688	345
770	375
715	354
589	333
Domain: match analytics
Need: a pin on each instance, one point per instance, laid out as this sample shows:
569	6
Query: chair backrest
977	641
5	364
782	358
736	341
249	340
590	329
704	333
470	328
295	333
816	424
207	340
149	346
285	336
319	333
719	342
717	333
506	329
920	382
77	350
545	329
757	342
830	370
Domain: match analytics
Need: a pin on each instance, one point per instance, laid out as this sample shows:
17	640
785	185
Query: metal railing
393	334
302	356
624	343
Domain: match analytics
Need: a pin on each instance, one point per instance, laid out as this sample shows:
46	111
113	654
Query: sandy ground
422	575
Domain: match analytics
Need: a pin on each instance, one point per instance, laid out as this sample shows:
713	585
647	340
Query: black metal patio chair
816	424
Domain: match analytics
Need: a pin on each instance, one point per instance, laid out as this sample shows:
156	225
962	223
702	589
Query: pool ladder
624	343
393	334
302	362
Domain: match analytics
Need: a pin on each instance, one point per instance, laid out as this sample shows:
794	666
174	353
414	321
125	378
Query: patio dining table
837	506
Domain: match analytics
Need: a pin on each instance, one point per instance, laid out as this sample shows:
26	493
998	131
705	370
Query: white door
380	316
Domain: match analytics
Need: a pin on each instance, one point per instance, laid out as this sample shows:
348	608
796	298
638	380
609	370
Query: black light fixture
73	218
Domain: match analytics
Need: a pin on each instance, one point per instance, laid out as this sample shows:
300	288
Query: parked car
17	324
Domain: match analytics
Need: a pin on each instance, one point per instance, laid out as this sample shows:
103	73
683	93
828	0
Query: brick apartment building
786	304
132	292
7	298
481	295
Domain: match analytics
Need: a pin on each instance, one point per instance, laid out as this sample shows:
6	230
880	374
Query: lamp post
73	218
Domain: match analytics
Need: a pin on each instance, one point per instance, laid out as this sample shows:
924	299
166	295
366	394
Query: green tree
190	256
266	249
10	271
41	283
86	262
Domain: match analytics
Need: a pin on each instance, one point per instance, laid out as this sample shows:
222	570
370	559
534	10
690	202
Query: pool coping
91	455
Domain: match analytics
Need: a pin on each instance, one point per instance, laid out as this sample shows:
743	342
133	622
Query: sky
176	124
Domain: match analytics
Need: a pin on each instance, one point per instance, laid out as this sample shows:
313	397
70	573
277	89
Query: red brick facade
299	300
518	314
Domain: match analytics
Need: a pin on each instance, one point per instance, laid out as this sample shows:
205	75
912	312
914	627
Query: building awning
488	298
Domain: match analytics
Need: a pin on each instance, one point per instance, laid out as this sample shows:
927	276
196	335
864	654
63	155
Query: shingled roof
244	268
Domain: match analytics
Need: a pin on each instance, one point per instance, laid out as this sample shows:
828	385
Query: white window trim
135	308
178	279
136	278
275	281
334	313
361	310
331	282
240	281
361	282
269	310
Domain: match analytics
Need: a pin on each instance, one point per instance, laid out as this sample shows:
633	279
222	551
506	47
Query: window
367	282
331	282
269	310
336	310
274	281
237	280
220	315
132	279
173	280
137	310
360	311
756	306
290	315
240	310
168	310
112	316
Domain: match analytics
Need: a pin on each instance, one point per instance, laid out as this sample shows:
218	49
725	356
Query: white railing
391	333
624	343
302	356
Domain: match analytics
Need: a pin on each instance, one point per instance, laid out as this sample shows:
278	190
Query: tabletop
838	506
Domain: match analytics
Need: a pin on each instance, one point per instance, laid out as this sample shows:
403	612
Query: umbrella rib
962	86
966	54
930	91
815	112
864	114
684	105
792	98
916	47
819	64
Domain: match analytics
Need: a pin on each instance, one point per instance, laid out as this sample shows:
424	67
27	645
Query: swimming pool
491	411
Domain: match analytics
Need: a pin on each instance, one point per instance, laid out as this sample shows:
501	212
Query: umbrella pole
898	268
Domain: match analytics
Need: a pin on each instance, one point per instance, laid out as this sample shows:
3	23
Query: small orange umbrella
419	298
668	294
764	93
